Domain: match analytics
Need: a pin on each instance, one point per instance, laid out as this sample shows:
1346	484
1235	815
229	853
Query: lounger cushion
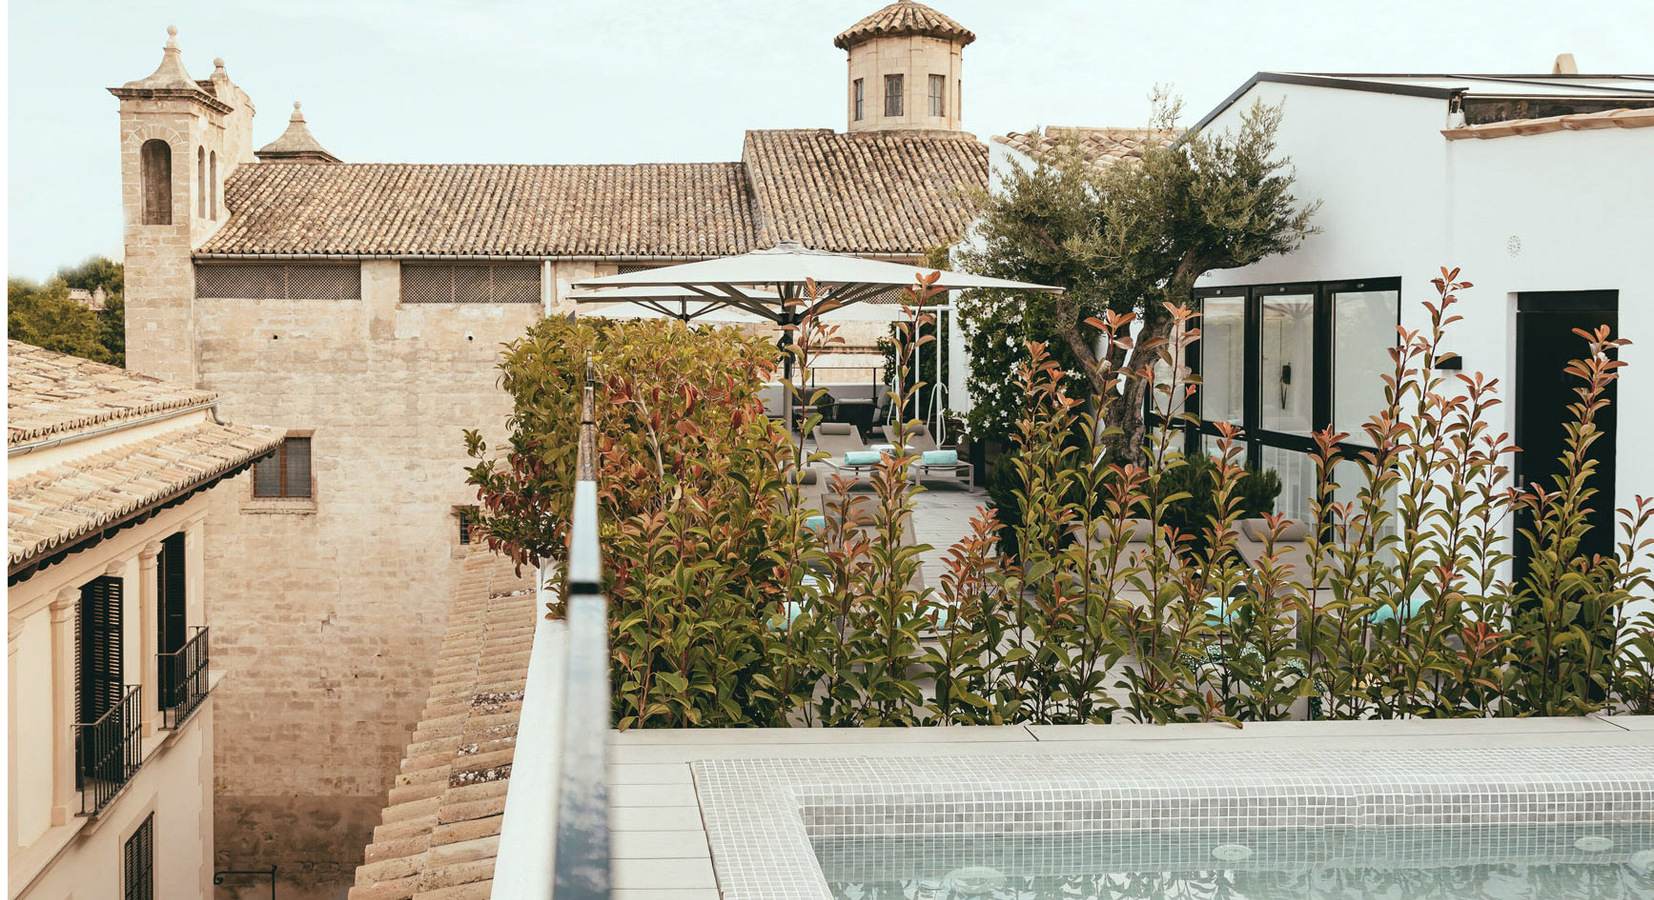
940	458
862	458
815	523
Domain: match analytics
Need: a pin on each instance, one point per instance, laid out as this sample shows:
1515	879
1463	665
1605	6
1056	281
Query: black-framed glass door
1284	361
1545	344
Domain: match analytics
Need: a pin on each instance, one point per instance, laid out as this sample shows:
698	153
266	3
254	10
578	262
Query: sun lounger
932	459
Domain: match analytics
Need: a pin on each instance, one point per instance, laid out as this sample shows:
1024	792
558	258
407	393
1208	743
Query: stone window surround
283	506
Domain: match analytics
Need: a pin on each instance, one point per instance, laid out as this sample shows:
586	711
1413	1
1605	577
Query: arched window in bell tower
201	181
155	171
212	182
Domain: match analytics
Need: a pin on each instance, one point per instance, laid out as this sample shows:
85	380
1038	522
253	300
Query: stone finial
170	75
296	144
1565	65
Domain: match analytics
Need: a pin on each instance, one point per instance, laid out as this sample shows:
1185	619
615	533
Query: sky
547	81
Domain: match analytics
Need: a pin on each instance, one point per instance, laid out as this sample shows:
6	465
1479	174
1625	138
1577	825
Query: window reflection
1361	357
1287	377
1222	359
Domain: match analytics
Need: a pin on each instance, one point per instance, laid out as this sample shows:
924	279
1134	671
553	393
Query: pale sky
546	81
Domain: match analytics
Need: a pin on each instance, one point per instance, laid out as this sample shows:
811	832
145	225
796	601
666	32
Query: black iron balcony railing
581	869
183	677
109	751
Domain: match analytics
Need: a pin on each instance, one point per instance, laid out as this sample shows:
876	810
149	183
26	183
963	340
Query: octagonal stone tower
904	69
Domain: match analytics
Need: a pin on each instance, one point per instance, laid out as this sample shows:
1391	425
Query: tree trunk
1125	409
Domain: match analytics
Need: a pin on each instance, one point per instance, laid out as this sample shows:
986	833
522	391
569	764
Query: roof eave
26	566
194	95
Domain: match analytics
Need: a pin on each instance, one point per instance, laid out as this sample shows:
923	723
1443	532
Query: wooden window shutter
98	648
295	467
170	612
138	863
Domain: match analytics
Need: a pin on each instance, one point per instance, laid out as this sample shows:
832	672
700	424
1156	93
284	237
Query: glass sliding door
1361	356
1284	361
1286	364
1222	353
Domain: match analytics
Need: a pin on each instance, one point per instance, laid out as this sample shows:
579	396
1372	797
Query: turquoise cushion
1408	609
815	523
940	458
861	458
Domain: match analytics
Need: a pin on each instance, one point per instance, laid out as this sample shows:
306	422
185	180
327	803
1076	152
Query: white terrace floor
941	516
659	842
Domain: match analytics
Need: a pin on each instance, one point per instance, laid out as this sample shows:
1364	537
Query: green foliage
1197	477
1123	239
44	315
1128	597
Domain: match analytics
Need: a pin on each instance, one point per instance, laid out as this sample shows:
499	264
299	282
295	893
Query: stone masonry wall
329	613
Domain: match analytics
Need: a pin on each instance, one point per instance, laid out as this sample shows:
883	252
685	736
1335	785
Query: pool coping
661	846
762	814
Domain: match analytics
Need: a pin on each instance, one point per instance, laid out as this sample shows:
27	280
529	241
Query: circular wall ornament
1513	246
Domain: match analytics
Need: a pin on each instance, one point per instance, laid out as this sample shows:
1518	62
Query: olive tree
1124	239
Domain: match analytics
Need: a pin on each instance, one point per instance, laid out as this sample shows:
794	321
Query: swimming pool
1081	826
1553	862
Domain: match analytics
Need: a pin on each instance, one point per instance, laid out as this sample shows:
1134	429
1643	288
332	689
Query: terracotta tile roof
440	831
1614	118
50	393
654	209
1102	147
870	192
56	506
904	17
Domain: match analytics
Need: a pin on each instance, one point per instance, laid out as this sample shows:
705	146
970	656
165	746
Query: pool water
1599	862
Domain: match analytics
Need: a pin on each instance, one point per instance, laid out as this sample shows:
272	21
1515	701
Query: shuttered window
471	283
286	473
138	862
169	574
278	281
98	673
892	95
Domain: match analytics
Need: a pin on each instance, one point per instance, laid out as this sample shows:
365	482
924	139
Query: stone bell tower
180	139
904	69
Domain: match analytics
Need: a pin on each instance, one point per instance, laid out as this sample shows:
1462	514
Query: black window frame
280	459
938	97
894	98
858	91
1324	377
138	862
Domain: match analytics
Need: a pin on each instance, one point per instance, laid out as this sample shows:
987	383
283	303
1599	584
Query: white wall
1400	199
80	857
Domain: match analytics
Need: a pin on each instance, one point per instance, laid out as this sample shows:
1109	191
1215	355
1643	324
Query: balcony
183	678
108	751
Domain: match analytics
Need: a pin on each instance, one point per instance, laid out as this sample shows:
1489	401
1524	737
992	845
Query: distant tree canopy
43	314
1126	239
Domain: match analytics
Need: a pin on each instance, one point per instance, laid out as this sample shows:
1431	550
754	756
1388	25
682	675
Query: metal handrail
581	847
109	751
183	677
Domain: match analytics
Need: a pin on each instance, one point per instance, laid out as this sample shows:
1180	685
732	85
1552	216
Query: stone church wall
328	613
